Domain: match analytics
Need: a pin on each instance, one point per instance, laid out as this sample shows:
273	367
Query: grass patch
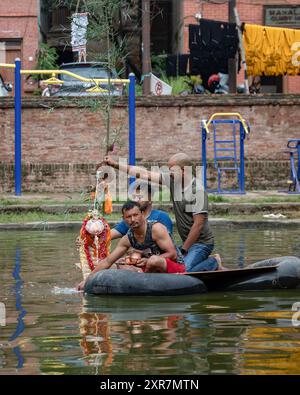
218	199
161	197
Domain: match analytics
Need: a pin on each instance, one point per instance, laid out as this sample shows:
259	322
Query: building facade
23	24
257	12
19	37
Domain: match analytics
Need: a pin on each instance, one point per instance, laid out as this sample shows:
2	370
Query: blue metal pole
18	129
204	164
131	122
298	151
242	159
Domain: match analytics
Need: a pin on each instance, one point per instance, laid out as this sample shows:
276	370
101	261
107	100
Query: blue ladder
223	147
228	146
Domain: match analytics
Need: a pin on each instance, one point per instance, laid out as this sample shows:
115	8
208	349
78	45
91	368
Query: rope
77	7
96	192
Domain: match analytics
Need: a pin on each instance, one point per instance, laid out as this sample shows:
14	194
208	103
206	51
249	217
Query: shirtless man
143	192
152	238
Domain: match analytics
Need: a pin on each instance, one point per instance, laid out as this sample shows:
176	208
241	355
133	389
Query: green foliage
217	199
178	84
47	57
46	60
158	63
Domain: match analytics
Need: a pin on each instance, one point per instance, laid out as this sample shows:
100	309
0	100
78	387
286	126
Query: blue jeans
198	260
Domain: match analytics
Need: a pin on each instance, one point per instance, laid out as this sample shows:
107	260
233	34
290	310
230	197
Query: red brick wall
59	143
249	12
19	20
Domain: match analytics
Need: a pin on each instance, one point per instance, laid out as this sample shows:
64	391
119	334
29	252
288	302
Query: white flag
158	87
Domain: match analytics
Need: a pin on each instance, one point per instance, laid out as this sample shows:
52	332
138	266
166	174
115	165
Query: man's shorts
174	267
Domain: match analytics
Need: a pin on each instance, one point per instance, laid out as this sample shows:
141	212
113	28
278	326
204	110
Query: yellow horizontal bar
78	77
227	114
8	65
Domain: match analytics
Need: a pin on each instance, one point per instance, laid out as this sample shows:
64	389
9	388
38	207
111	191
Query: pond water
51	329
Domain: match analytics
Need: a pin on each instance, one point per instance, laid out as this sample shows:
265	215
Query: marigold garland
104	240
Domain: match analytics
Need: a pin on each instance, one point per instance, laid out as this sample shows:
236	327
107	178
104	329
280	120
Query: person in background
142	192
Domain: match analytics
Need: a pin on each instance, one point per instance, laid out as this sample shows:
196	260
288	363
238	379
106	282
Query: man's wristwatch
183	251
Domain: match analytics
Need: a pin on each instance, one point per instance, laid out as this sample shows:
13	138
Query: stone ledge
274	99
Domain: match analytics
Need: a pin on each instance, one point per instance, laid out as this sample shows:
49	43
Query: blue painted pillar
18	129
298	150
131	122
242	158
204	159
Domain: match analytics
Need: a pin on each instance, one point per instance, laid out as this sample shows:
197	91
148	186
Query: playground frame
239	165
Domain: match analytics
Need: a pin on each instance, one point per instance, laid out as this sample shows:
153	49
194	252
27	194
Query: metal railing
53	80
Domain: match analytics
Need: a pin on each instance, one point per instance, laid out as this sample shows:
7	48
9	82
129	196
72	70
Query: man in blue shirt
140	191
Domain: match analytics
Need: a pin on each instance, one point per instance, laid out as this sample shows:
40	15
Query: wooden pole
146	57
232	64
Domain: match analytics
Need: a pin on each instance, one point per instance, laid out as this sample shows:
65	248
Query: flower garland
101	248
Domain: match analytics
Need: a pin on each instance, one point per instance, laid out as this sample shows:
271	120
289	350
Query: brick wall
249	12
19	20
62	142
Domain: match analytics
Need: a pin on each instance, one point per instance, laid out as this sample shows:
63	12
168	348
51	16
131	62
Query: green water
51	330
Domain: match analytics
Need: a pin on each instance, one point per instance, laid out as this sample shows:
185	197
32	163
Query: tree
106	18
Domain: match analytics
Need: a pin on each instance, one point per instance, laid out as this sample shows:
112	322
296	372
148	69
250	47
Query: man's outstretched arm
134	171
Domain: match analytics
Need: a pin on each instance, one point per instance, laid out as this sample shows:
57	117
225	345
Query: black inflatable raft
124	282
274	273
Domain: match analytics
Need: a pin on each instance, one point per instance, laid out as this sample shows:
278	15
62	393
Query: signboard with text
282	16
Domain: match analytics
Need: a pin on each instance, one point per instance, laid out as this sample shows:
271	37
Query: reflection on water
52	329
22	312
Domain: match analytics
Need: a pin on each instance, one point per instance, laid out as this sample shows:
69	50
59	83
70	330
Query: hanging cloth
253	43
211	44
176	65
269	50
273	45
79	29
108	207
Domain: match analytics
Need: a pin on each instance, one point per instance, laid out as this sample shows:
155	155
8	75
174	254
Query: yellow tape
8	65
78	77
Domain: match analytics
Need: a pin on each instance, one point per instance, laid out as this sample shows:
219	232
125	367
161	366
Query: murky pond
50	329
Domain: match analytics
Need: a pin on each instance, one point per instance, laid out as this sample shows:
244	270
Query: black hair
130	205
